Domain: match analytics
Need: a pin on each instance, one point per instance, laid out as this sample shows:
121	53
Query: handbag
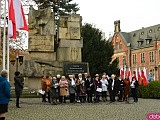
99	89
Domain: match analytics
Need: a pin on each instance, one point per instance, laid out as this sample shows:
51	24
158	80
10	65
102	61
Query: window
158	28
120	46
142	58
140	43
124	60
148	41
118	60
142	33
134	59
116	37
151	56
151	72
116	46
150	30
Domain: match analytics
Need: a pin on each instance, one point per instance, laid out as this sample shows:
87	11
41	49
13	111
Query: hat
96	75
58	76
54	78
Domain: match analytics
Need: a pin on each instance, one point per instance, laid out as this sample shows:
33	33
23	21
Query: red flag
122	72
135	74
129	74
16	16
144	77
11	21
139	77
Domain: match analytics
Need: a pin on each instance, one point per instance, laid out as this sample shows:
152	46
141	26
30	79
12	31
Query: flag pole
4	38
8	61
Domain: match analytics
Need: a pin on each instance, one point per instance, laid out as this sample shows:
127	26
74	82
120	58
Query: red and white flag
16	18
139	77
11	21
125	73
129	74
135	74
121	72
144	76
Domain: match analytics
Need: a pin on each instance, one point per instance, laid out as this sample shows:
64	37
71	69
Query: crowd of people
79	89
84	88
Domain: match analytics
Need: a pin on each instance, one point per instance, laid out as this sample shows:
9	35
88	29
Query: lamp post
18	59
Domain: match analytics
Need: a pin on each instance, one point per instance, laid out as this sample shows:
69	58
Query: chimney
117	26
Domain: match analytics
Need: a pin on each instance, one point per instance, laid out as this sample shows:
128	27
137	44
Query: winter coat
18	83
89	87
63	88
4	91
121	84
48	85
104	83
82	90
72	88
54	89
43	84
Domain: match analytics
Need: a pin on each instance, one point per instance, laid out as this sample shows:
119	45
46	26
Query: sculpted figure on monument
41	21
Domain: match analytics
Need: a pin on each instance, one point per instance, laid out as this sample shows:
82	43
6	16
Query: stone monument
43	58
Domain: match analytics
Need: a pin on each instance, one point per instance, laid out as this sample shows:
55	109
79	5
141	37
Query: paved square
34	109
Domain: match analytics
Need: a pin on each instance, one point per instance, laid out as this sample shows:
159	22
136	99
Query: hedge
152	90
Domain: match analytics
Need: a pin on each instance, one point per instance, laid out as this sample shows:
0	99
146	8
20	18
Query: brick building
138	49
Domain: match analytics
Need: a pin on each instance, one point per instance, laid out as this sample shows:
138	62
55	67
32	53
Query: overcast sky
133	14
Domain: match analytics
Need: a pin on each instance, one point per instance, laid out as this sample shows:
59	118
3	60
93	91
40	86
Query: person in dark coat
121	87
97	86
134	89
89	89
54	90
82	92
59	97
4	94
78	83
127	88
112	87
72	88
85	77
18	83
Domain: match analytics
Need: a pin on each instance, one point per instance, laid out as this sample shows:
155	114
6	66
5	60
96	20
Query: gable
119	43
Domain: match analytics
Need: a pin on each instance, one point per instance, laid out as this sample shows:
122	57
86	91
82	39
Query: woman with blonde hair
63	84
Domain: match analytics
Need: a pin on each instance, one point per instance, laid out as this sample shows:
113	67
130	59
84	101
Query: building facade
138	49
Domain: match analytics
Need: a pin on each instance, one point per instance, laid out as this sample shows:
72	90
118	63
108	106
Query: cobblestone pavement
34	109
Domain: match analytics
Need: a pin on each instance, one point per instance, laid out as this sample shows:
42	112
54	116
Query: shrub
152	90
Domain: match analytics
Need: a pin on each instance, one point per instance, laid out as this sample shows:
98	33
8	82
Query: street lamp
18	59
